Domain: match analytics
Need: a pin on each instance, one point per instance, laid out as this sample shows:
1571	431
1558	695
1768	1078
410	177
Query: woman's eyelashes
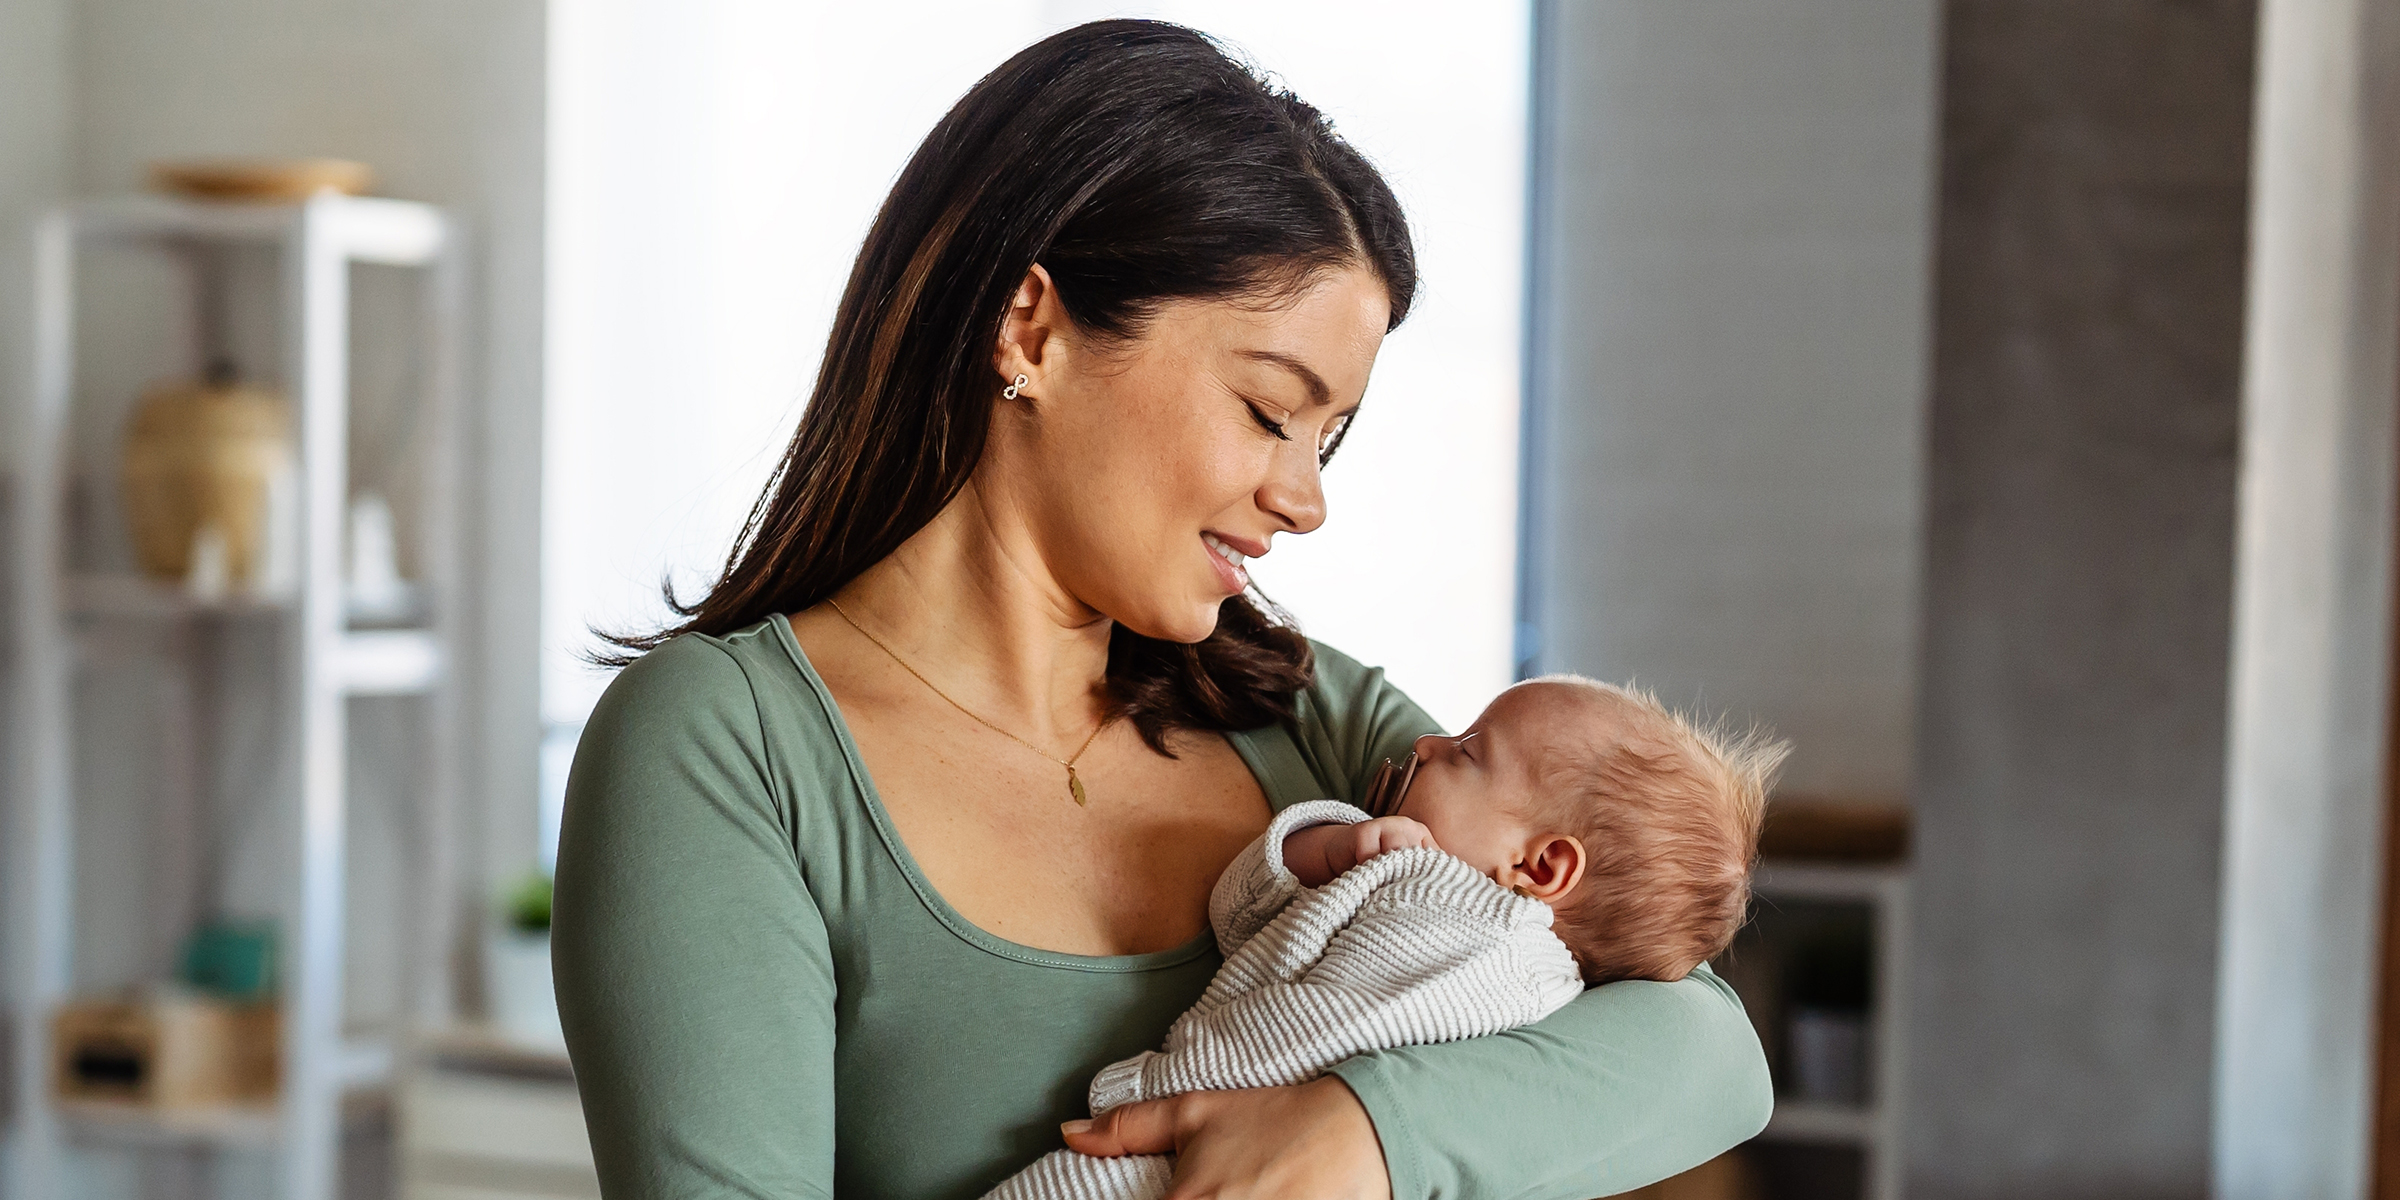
1329	439
1270	424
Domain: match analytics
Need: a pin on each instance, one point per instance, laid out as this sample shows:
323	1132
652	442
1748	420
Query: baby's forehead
1549	706
1549	696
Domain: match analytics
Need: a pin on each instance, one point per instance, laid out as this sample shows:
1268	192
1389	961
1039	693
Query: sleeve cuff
1292	820
1393	1130
1258	885
1119	1083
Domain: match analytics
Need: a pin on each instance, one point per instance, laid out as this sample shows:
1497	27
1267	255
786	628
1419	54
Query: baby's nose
1433	745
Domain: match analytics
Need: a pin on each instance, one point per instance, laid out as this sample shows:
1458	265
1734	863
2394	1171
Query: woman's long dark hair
1138	164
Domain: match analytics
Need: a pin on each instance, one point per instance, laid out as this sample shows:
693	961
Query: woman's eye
1331	440
1266	422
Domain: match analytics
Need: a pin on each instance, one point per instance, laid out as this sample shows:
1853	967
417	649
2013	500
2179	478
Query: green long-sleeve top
763	995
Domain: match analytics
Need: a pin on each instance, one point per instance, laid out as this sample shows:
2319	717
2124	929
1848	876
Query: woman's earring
1010	392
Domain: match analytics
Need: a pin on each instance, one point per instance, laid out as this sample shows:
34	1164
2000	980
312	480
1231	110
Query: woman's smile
1228	558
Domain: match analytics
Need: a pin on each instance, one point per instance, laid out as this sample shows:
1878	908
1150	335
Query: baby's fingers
1390	833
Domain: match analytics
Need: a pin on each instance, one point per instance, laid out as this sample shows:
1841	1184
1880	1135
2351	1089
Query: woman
911	825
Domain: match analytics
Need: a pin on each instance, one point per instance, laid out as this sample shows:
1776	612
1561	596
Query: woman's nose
1295	494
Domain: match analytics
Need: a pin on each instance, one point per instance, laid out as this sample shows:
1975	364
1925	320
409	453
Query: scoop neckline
931	897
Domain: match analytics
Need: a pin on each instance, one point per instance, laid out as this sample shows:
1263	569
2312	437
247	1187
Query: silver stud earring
1010	392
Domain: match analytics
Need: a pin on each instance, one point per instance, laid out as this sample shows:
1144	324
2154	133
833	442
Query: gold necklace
1074	782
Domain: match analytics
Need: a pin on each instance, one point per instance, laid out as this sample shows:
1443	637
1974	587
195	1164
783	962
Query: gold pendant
1075	785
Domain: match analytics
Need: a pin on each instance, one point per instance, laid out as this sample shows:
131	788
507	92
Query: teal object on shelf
232	959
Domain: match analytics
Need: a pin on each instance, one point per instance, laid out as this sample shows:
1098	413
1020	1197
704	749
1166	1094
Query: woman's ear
1552	866
1029	343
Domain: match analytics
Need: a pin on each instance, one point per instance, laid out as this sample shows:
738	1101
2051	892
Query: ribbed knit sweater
1410	947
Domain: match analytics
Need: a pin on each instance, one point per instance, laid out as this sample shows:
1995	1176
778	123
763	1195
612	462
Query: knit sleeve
1258	885
1410	947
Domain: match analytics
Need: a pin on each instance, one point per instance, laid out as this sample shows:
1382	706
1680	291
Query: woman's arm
694	979
1630	1083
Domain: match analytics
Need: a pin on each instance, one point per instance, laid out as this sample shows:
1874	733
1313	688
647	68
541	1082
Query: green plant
528	904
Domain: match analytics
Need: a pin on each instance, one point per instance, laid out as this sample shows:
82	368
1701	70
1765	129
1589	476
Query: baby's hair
1669	813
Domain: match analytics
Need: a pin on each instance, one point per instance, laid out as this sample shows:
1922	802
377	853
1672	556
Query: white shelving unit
58	606
482	1117
1875	1127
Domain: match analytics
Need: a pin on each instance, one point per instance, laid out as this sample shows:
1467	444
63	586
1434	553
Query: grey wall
1730	266
2087	351
2305	788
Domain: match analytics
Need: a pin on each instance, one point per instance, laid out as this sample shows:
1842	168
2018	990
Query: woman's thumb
1147	1127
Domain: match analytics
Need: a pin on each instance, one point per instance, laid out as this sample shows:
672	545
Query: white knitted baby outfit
1409	947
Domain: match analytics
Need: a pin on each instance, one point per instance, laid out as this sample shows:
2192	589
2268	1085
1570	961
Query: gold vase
202	454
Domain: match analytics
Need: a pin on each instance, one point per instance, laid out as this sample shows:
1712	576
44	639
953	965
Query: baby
1576	833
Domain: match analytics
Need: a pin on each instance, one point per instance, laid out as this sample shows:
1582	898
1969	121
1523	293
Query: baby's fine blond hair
1669	812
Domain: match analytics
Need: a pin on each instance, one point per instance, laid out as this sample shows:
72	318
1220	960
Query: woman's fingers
1144	1127
1309	1142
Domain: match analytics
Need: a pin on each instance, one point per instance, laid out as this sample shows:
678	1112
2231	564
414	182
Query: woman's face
1147	472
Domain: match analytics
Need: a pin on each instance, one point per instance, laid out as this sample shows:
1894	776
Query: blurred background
1994	397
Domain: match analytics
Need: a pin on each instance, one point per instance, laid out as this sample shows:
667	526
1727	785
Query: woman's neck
968	602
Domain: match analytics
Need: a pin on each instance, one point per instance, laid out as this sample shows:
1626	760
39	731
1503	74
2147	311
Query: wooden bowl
261	179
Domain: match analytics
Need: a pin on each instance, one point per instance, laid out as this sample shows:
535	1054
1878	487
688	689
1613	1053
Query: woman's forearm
1630	1083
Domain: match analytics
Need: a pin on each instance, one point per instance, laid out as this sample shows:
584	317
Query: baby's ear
1552	866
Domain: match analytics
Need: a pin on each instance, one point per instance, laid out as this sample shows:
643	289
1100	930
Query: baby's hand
1320	853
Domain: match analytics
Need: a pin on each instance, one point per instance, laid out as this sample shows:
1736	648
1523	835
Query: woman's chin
1188	626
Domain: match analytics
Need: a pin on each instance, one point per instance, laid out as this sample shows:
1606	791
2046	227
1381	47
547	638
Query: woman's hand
1309	1142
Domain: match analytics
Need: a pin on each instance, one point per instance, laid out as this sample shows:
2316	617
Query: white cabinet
479	1120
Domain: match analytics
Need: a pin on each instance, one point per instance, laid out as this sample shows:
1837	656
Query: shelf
367	662
139	596
320	643
362	228
1804	1121
256	1125
363	1063
229	1125
388	662
484	1049
1828	881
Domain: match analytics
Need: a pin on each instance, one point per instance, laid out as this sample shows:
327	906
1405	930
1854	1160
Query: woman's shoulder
743	684
1348	720
1345	692
741	708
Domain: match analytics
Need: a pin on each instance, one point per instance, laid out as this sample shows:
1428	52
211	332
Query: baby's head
1638	827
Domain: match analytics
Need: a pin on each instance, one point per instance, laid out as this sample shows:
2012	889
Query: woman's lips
1228	562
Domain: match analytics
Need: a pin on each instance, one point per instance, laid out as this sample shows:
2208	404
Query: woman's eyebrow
1318	393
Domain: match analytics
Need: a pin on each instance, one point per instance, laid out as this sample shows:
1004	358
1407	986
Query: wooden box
168	1051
